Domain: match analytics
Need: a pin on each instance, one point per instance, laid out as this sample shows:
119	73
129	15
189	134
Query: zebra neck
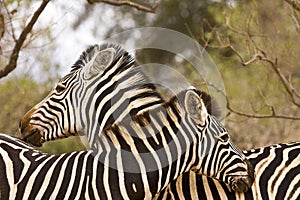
123	102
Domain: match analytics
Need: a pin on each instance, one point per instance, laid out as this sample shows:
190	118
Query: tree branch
285	82
294	3
273	114
15	53
151	9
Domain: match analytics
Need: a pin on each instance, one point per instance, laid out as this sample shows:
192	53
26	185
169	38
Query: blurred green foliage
16	98
65	145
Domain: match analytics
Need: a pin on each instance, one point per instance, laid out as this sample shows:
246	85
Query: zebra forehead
87	55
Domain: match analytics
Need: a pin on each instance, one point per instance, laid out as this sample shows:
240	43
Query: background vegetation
255	45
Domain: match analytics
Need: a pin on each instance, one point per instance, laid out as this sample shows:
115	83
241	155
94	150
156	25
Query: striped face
218	156
103	87
222	160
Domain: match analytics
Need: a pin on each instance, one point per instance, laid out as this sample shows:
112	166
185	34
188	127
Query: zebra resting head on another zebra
91	98
162	143
193	139
277	176
104	86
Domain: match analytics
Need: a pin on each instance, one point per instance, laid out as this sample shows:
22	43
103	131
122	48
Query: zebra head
218	155
103	87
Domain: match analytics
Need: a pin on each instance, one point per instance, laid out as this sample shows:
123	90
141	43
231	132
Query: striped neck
131	93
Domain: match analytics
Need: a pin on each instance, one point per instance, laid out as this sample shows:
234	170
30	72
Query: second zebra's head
103	87
218	156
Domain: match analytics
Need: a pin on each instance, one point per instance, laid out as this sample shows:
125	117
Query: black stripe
4	186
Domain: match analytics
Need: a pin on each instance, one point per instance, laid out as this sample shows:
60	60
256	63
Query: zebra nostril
242	184
20	124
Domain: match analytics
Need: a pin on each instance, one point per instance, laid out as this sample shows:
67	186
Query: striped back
276	171
26	173
103	87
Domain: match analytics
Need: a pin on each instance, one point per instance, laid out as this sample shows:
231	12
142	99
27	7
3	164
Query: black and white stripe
105	85
86	100
143	153
276	171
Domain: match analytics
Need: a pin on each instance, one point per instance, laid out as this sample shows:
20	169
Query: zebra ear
99	63
195	107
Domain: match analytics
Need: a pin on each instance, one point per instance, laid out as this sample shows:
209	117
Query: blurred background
254	44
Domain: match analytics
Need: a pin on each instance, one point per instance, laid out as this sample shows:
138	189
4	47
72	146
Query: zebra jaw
34	138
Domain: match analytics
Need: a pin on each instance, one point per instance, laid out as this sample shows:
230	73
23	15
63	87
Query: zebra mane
210	103
87	55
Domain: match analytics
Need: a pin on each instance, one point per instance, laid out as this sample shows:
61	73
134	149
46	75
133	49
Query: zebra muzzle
30	134
243	183
33	138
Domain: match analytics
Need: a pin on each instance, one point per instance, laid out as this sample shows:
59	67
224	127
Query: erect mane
209	102
87	55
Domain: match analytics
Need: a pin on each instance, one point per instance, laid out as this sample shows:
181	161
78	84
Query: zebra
56	114
277	176
107	74
139	156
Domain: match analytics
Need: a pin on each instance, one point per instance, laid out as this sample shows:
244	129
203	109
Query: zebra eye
224	137
60	87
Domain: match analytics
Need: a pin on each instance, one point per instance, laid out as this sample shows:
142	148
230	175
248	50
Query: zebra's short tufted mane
91	51
176	101
210	103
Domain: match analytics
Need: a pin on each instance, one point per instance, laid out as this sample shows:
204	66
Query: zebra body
31	174
277	176
14	180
